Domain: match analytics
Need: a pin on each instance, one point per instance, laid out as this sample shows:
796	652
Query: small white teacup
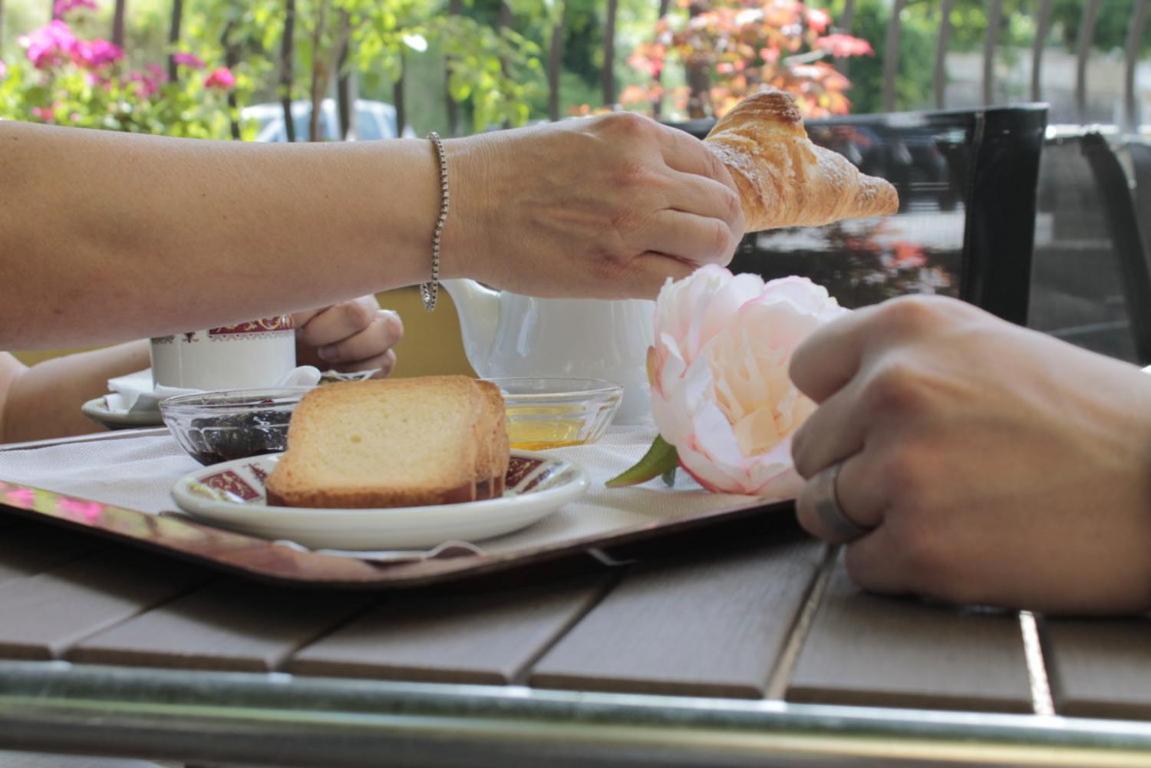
253	354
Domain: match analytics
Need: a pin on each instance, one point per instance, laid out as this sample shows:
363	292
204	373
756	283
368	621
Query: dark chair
1139	158
1091	282
967	185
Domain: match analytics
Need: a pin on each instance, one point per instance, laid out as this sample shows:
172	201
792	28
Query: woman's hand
608	206
350	336
991	464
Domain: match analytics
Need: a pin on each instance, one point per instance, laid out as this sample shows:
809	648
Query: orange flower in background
729	47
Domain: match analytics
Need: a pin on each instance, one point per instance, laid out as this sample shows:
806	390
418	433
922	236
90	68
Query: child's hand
351	336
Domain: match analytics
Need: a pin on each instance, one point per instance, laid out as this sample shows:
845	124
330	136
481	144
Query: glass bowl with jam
231	423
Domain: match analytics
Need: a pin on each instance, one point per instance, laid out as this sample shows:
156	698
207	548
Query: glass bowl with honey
554	412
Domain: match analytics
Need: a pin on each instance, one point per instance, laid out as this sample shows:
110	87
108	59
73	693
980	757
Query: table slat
1099	668
711	624
27	549
228	624
471	637
42	616
871	650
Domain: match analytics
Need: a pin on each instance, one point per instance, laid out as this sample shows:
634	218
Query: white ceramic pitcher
507	334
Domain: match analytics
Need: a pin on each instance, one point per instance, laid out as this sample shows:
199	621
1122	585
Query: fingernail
325	353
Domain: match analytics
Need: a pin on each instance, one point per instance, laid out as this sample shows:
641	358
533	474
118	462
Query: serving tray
287	562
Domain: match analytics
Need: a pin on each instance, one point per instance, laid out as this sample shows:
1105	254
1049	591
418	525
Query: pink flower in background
3	69
44	114
221	78
148	81
96	53
718	370
190	60
818	20
49	45
64	7
843	46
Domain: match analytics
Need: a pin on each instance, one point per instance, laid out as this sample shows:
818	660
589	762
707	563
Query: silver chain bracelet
430	291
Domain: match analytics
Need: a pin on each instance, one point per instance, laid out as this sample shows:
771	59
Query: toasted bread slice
493	467
389	443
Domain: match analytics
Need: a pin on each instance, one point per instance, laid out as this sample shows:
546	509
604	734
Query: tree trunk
555	64
345	109
52	10
118	23
398	98
453	108
231	59
657	102
174	38
609	53
319	78
503	22
287	76
698	72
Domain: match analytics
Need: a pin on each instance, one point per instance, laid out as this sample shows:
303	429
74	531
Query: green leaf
660	459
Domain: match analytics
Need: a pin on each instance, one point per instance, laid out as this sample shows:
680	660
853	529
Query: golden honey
538	428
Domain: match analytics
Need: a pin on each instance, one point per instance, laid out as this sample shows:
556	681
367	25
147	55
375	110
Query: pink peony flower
718	369
221	78
189	60
61	8
49	45
94	54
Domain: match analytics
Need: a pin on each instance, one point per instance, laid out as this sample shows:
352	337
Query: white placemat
137	472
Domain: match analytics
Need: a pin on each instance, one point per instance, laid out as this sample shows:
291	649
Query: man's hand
991	464
350	336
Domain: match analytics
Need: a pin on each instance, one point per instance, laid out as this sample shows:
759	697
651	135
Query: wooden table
744	644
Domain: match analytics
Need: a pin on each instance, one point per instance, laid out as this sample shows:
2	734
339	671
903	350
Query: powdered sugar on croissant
784	179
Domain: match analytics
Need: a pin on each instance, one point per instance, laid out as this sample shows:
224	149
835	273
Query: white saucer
231	495
97	410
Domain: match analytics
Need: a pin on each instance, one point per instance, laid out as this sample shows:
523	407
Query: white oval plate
231	495
97	410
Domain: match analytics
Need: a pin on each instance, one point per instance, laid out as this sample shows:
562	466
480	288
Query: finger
645	275
685	153
687	237
339	322
830	356
381	335
876	564
706	197
380	365
301	318
857	508
833	432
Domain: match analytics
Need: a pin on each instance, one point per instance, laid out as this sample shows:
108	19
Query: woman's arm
44	400
109	236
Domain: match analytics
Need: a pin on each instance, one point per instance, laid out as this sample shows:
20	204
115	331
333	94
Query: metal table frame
280	719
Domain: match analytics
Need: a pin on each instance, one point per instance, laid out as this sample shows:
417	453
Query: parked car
373	120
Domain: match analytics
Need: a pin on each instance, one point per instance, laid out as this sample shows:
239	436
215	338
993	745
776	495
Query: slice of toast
493	465
389	443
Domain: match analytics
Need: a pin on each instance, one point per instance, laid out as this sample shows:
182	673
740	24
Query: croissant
784	179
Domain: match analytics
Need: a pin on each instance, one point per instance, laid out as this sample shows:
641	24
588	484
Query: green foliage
916	58
1110	28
